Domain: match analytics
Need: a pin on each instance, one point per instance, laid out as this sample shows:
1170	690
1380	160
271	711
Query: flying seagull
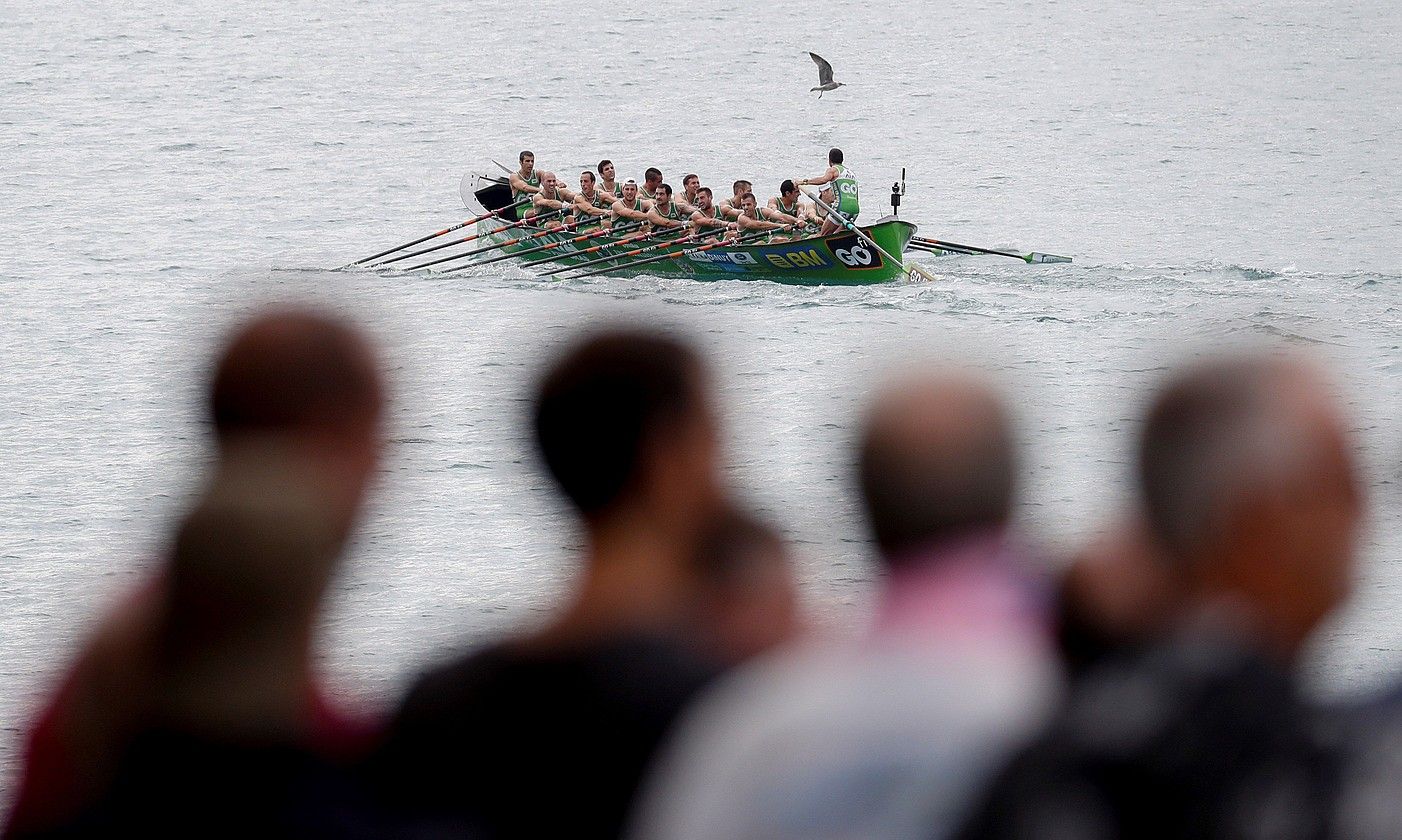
825	81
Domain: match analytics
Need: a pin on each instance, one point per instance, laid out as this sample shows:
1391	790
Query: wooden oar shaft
586	263
974	249
463	254
546	247
677	253
446	230
1033	257
938	249
594	249
461	241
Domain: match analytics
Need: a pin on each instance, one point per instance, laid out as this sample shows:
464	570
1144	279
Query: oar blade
1035	257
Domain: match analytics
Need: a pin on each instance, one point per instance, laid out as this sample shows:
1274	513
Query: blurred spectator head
937	461
309	382
1117	594
746	595
1250	487
625	425
254	557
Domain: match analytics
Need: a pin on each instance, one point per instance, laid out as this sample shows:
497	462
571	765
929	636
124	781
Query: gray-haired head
938	460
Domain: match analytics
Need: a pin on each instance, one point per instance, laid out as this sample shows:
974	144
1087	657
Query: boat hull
841	259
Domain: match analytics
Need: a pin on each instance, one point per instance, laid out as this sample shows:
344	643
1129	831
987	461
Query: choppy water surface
1218	173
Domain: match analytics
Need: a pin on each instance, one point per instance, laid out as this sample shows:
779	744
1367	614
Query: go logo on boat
852	252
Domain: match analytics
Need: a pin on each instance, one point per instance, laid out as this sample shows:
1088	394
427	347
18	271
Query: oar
486	248
546	247
594	249
458	226
759	234
422	251
833	214
923	247
1033	257
623	255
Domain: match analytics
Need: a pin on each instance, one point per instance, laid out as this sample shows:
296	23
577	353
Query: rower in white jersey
607	184
840	193
589	201
629	207
651	179
525	182
790	204
552	197
706	214
665	213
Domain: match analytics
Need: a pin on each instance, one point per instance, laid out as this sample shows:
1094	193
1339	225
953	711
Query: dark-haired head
623	418
834	156
294	371
305	383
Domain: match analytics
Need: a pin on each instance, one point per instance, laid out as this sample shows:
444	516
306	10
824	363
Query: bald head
295	371
937	461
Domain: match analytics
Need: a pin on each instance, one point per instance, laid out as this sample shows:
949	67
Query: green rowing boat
841	259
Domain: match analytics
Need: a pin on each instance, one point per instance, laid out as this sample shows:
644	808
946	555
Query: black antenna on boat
897	190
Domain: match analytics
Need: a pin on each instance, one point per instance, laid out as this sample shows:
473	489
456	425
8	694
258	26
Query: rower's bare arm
623	211
583	206
778	216
519	184
747	223
701	221
828	178
659	220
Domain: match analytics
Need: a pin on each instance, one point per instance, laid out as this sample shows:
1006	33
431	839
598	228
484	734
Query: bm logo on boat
849	251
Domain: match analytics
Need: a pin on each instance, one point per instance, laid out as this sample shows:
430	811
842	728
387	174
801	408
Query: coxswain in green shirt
840	192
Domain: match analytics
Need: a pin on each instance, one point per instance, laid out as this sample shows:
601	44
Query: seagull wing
824	69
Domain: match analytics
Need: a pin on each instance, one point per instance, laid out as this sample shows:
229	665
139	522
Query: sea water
1219	172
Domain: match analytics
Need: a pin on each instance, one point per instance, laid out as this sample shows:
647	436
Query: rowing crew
603	201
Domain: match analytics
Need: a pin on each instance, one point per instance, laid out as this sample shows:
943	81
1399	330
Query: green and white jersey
637	205
844	190
534	180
